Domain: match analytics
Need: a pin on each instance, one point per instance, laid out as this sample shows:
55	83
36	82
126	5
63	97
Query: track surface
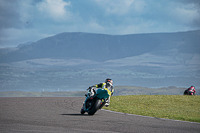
61	115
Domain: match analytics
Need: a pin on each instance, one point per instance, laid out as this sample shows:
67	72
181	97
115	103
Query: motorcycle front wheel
95	107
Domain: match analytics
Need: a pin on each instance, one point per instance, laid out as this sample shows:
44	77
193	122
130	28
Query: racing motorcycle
96	101
189	92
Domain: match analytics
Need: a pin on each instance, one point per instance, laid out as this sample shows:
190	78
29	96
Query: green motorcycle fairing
100	94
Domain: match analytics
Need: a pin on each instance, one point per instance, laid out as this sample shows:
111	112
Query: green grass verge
177	107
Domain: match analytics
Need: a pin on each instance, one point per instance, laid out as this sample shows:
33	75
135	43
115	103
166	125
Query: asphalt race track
61	115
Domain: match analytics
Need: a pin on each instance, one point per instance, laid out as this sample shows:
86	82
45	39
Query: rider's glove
89	88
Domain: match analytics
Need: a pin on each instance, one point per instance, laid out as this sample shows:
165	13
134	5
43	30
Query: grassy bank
178	107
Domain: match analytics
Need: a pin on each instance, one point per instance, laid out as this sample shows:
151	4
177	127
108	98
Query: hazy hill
101	47
73	61
96	47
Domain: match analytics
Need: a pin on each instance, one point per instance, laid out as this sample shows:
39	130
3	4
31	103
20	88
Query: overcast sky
30	20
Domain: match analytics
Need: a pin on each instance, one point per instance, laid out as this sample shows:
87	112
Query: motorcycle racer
106	87
192	90
108	84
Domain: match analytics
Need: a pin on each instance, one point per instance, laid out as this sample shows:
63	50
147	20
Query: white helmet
108	80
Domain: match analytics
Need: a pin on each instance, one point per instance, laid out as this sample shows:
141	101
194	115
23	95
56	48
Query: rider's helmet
109	81
192	87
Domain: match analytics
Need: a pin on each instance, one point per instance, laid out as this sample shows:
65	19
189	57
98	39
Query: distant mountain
23	44
101	47
96	47
74	61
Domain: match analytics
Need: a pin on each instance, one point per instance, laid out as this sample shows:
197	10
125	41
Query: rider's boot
107	102
82	111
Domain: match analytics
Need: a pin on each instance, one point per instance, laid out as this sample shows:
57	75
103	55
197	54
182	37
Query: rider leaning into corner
107	84
192	90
